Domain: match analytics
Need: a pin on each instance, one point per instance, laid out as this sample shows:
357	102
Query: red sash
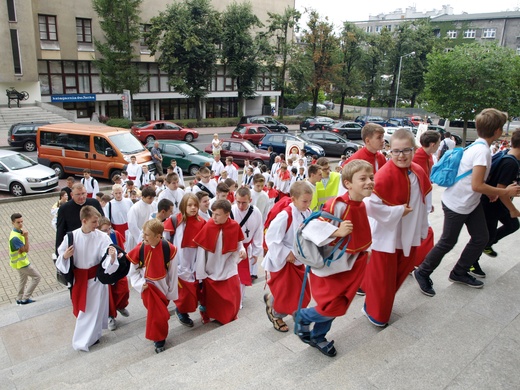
244	272
222	299
285	285
158	315
121	228
79	291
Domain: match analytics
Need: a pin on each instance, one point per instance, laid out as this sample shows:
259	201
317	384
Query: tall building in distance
48	51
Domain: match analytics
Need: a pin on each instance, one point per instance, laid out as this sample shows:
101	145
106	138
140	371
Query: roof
83	128
486	15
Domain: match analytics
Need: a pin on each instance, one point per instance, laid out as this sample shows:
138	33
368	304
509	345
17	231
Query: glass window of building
48	27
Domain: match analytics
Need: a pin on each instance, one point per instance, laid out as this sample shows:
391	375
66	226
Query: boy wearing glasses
399	208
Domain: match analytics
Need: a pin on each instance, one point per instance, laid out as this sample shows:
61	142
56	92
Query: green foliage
119	122
187	36
119	21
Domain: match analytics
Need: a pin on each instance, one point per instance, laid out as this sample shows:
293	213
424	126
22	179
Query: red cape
393	184
193	227
365	154
153	260
231	235
424	160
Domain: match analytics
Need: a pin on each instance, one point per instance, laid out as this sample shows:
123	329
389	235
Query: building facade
49	52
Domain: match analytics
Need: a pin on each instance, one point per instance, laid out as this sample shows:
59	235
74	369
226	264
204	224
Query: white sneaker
123	312
112	323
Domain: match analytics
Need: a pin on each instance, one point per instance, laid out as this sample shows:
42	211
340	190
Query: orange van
69	148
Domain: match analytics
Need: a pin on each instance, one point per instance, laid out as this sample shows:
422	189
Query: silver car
20	175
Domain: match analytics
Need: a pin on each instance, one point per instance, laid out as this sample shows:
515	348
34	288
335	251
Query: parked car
251	132
442	130
268	121
188	157
416	119
20	175
240	150
152	130
333	144
349	130
389	131
364	119
307	106
315	123
23	135
329	104
277	141
399	122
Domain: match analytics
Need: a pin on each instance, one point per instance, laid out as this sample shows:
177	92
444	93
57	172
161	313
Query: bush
120	122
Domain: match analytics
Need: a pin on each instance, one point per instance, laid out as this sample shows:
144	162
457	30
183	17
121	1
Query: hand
407	210
242	254
493	198
112	252
69	252
25	232
433	209
513	190
290	258
344	229
515	213
145	286
255	259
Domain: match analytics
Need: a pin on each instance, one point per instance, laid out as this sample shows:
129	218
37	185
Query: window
17	61
489	33
83	30
518	50
379	29
48	28
101	144
389	27
470	33
11	11
369	29
451	34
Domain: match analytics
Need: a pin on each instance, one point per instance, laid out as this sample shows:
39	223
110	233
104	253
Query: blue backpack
444	173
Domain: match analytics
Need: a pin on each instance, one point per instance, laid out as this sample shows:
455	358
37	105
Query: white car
390	130
20	175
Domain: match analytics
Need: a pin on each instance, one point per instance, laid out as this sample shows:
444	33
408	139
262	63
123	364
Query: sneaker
254	277
372	320
123	312
360	292
490	252
466	279
159	346
184	319
476	271
18	301
424	282
26	301
112	323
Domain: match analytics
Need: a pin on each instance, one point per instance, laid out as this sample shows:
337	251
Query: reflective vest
331	191
16	259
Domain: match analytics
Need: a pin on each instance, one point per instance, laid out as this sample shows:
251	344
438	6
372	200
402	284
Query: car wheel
29	146
150	138
58	169
114	173
260	162
188	137
283	130
193	169
17	189
349	152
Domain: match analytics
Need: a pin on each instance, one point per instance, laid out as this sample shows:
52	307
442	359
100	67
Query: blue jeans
322	324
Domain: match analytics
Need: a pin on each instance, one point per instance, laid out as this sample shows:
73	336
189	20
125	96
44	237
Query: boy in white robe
172	191
138	214
134	171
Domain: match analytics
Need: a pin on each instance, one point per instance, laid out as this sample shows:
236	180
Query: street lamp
399	77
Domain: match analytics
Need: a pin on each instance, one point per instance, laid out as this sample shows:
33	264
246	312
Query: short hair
173	161
159	179
270	183
130	183
148	192
86	170
294	170
258	178
370	129
184	203
88	212
353	167
204	171
115	178
116	187
229	158
106	198
171	177
100	194
254	163
164	205
447	134
222	187
124	172
515	139
313	169
300	188
154	225
222	204
78	186
15	216
71	178
103	221
230	182
489	120
201	194
322	162
429	137
403	134
244	191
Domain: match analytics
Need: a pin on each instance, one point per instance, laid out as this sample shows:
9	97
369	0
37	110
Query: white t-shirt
460	197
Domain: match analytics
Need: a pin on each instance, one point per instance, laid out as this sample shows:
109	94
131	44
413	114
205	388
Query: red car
252	132
416	119
152	130
240	150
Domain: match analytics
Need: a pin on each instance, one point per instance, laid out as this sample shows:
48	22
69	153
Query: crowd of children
199	245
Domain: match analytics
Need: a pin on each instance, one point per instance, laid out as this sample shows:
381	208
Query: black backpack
121	272
166	253
444	149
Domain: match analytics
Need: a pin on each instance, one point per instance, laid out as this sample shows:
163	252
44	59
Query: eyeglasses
397	152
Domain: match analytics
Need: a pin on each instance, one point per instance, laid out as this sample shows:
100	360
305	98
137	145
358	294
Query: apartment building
49	52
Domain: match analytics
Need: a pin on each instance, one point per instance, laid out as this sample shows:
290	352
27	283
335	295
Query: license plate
53	181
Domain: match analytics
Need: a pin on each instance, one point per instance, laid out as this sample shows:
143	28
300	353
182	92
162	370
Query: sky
342	10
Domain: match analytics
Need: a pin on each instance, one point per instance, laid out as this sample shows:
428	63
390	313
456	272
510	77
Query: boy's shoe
325	347
112	323
476	271
254	277
26	301
18	301
466	279
490	252
123	312
424	282
159	346
184	319
372	320
302	331
360	292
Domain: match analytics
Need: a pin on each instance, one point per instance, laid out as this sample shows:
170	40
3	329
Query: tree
462	82
187	36
281	27
242	49
119	21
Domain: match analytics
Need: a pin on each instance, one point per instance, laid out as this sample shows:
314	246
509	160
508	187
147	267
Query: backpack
444	149
67	279
444	173
166	253
120	273
312	255
495	162
282	205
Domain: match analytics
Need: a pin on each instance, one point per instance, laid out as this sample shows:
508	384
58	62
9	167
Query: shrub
120	122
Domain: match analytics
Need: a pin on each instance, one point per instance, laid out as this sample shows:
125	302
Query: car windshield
126	143
241	129
17	161
188	149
